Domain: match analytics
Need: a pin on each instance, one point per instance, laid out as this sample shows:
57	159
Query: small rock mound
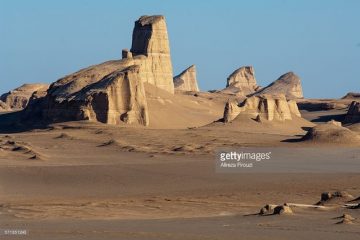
332	133
271	209
346	219
288	84
186	80
331	198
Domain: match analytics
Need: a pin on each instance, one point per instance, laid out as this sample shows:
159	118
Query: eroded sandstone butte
288	84
112	92
263	107
242	81
18	98
186	80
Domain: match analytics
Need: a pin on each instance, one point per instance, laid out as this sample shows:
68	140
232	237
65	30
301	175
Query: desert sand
122	150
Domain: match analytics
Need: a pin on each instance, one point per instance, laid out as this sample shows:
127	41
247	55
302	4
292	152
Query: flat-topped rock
150	39
288	84
186	80
18	98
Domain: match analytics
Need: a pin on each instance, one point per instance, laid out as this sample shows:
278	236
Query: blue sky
41	41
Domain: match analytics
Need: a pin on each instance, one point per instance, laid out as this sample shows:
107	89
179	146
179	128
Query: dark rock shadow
326	118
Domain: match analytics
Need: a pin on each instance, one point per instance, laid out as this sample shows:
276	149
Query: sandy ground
82	180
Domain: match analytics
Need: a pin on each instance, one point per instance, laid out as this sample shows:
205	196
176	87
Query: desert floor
81	180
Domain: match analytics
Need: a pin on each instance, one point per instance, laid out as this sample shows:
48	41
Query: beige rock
4	106
271	209
18	98
331	133
242	81
353	114
264	107
186	80
126	53
288	84
118	97
150	40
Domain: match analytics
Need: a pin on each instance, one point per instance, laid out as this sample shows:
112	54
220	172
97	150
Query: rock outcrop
186	80
263	107
353	114
332	133
288	84
18	98
117	97
352	95
112	92
242	81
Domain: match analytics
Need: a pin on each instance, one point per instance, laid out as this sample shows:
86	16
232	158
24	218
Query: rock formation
19	97
242	81
332	133
4	106
112	92
117	97
186	80
263	107
288	84
151	44
353	114
352	95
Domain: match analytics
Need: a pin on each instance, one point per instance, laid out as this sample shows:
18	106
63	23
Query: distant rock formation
4	107
320	104
288	84
18	98
352	95
186	80
260	108
353	114
112	92
242	81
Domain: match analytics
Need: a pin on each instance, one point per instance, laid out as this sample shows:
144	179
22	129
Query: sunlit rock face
288	84
264	107
186	80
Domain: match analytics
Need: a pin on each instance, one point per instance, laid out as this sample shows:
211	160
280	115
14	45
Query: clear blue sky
40	41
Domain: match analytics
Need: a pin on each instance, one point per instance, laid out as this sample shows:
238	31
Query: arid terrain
122	150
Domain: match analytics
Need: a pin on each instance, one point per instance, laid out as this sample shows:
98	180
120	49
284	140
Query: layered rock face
186	80
264	107
288	84
353	114
18	98
242	81
150	40
117	97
